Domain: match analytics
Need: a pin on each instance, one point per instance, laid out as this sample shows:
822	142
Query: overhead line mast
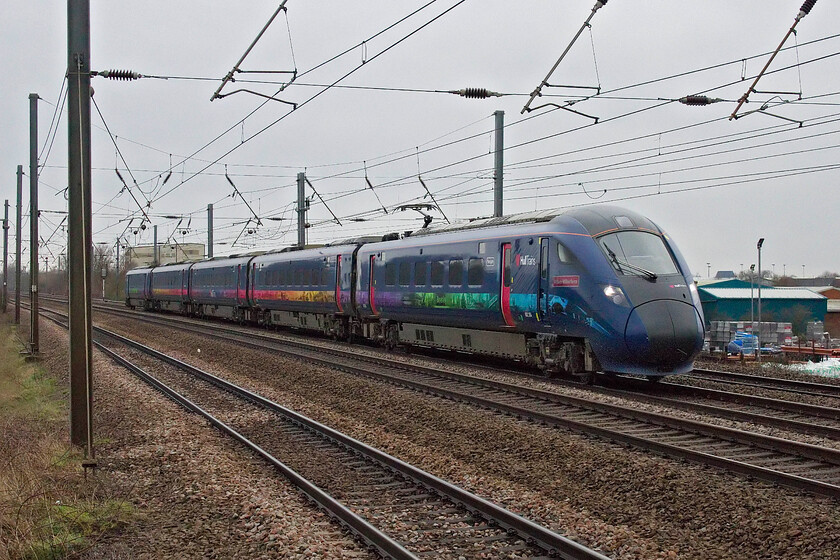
537	92
803	11
79	229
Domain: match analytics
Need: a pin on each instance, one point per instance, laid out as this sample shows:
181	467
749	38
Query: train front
651	282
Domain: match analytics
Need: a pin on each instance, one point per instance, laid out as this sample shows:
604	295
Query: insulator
806	7
697	100
120	75
476	93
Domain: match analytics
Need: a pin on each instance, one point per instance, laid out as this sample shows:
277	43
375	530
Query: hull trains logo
525	260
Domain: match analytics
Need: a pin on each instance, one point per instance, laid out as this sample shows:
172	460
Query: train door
371	286
338	284
506	284
240	289
542	293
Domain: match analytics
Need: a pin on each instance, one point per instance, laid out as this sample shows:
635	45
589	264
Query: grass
48	508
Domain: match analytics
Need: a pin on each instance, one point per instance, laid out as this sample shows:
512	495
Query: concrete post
18	241
209	231
34	331
6	255
301	209
498	179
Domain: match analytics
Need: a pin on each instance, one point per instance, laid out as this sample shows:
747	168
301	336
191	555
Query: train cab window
564	254
391	274
420	269
437	273
475	272
405	274
645	253
456	272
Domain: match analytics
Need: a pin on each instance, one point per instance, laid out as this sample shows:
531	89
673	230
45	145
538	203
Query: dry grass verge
48	508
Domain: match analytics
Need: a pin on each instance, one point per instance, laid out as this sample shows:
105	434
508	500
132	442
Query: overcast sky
715	185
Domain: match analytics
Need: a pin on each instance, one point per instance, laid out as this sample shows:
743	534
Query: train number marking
565	281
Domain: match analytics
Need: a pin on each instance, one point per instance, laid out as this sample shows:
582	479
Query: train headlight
616	295
695	295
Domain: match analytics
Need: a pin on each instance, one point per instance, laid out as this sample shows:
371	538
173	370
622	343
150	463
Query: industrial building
740	303
143	255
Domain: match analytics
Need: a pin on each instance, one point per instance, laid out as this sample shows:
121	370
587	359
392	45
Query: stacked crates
814	331
722	332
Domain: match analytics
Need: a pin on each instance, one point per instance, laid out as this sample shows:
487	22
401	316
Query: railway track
792	416
809	388
399	510
793	464
821	421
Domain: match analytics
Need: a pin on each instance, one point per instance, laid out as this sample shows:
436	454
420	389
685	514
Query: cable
53	130
321	92
264	103
142	210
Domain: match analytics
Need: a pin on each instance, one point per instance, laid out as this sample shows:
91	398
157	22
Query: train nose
666	334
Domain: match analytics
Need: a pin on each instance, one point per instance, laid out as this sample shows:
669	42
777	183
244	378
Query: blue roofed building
740	303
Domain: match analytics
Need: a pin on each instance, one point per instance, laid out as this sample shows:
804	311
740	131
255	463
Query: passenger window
325	277
437	273
390	274
508	278
482	248
475	272
299	277
420	269
456	272
405	274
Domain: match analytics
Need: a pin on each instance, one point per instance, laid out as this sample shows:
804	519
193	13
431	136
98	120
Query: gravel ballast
631	504
197	494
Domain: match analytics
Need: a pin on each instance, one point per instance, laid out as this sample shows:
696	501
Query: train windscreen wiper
623	264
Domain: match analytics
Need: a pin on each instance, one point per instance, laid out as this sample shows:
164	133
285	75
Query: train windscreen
635	252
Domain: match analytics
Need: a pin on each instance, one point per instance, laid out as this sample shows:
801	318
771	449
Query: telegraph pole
155	249
79	226
209	231
33	225
301	209
17	241
5	255
498	179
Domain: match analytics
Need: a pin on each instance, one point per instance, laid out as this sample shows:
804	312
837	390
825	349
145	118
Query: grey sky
718	214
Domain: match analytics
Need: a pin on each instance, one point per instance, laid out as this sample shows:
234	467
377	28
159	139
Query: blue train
582	291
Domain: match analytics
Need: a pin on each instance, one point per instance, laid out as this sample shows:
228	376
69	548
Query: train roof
596	219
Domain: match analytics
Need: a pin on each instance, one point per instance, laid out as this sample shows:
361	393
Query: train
574	292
